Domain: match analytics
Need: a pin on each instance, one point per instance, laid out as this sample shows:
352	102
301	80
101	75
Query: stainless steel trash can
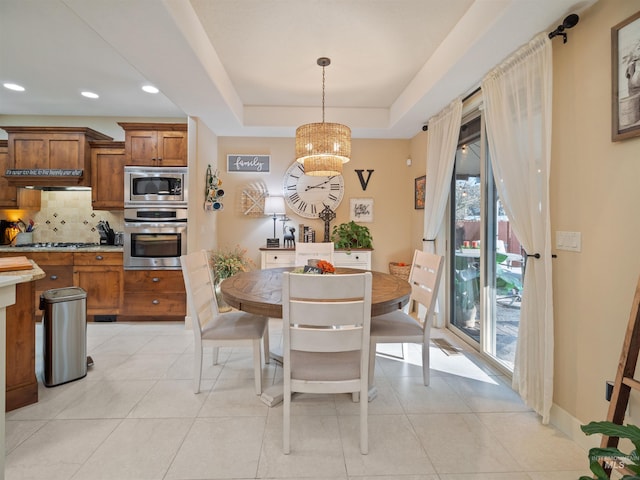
64	335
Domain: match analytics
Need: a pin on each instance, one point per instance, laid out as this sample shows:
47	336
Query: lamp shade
323	148
274	206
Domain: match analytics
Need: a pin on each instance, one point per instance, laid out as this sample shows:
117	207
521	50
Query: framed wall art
419	189
248	163
361	210
625	78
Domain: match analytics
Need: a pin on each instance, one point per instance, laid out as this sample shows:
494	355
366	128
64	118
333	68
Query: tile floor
135	417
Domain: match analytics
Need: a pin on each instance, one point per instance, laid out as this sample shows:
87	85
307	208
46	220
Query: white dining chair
316	250
214	329
326	340
399	326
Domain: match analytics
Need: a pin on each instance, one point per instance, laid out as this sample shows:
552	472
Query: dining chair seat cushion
396	323
315	366
235	326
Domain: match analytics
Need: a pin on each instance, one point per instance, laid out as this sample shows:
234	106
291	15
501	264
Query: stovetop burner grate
58	245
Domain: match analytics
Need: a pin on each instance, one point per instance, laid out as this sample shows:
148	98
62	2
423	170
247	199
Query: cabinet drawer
151	304
153	281
353	260
97	258
274	260
57	277
51	258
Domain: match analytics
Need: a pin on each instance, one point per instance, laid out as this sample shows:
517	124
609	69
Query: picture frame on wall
625	78
361	210
419	192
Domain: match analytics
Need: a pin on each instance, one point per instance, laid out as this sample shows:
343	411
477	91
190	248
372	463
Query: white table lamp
274	206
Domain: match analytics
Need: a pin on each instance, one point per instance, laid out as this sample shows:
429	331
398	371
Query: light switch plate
571	241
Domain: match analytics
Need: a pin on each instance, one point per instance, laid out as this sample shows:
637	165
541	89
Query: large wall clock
307	195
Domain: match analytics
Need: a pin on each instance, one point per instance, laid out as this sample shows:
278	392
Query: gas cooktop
57	245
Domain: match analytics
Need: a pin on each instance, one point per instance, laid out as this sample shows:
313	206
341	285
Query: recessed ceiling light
90	95
150	89
13	86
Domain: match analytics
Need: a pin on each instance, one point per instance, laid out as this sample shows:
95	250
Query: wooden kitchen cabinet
155	144
14	197
154	294
42	152
100	274
107	175
58	267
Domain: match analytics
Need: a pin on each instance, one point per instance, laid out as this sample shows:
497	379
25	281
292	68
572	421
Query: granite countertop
98	248
21	276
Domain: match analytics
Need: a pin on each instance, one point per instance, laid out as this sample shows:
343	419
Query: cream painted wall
390	185
418	168
203	146
595	191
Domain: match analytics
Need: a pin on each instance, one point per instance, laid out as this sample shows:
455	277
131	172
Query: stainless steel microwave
155	186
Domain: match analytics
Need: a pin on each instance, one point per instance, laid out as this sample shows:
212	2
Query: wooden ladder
625	381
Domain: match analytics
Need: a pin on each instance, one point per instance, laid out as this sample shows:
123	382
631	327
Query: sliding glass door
485	259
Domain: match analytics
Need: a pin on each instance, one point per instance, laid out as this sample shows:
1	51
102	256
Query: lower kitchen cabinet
100	275
58	267
154	294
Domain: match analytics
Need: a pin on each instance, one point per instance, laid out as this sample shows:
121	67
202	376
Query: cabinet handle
53	277
155	302
159	159
99	257
155	279
275	258
357	257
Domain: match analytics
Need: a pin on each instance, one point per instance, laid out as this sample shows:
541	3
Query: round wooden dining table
260	291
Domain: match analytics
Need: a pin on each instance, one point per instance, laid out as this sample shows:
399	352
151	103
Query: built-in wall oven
155	217
154	237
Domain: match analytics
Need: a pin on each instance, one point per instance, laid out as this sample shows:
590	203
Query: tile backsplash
67	216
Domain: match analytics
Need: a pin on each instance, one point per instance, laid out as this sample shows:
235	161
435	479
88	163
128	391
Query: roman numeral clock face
307	195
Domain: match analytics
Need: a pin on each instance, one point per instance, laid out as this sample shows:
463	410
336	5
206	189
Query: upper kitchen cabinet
107	175
155	144
14	197
48	156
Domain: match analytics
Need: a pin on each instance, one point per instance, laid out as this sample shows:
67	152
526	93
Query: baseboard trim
570	426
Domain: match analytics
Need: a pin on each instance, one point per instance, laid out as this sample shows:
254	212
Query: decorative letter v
363	182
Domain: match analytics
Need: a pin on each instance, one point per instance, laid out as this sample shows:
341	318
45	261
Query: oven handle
168	223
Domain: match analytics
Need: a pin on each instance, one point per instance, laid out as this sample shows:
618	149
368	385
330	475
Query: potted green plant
351	235
612	457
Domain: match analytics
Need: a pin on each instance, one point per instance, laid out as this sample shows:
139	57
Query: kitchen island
11	283
20	335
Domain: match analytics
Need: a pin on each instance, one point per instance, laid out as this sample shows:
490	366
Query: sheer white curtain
444	130
517	100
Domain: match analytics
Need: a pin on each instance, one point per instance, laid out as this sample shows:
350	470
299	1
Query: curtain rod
425	127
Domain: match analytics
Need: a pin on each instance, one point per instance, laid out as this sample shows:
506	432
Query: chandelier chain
323	94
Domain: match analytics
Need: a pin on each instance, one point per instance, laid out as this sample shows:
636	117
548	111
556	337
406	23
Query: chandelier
323	147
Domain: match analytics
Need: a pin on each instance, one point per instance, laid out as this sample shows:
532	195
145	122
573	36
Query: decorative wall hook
213	193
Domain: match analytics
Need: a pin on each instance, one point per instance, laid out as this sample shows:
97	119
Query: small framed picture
420	186
625	78
361	210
